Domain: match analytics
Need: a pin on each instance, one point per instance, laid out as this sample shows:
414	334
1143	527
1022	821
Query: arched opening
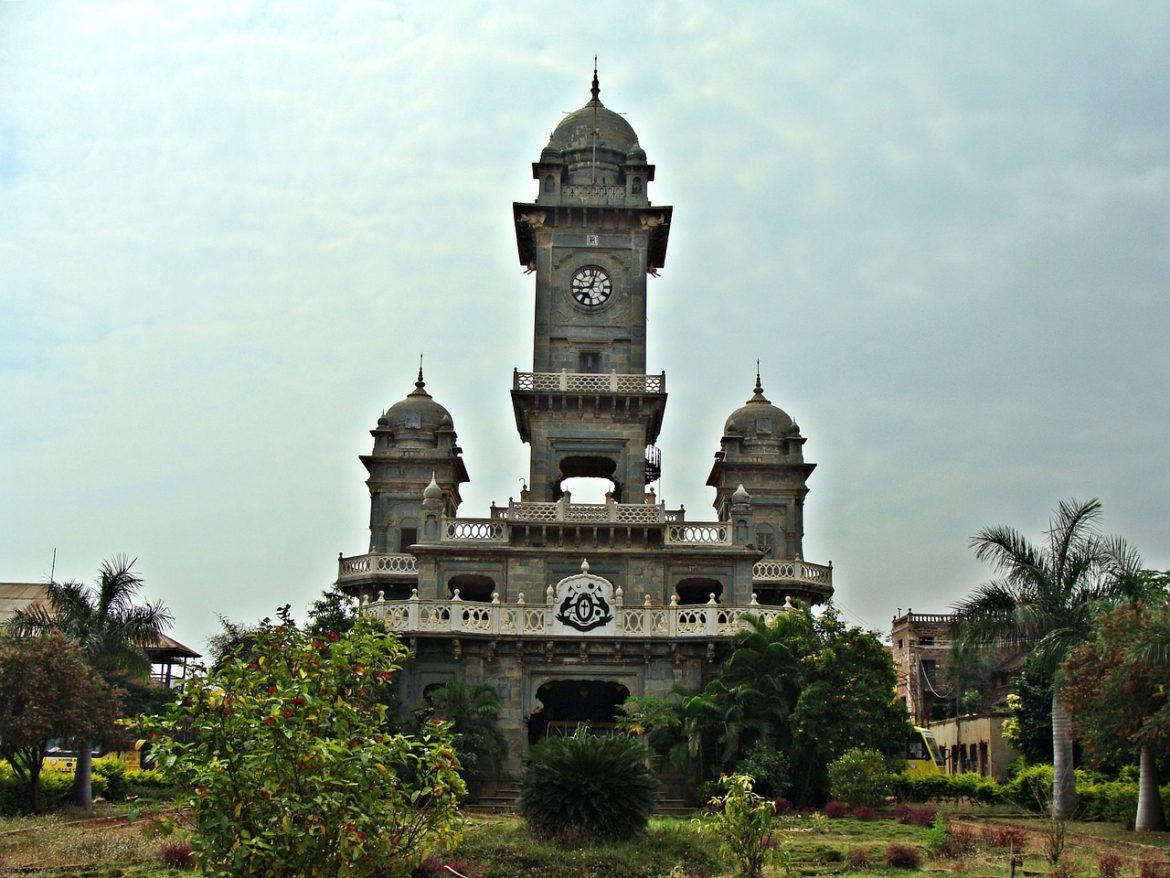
765	540
636	186
472	587
586	490
567	704
593	476
550	183
698	590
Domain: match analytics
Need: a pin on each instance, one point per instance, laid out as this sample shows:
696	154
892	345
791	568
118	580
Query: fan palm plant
112	628
1044	600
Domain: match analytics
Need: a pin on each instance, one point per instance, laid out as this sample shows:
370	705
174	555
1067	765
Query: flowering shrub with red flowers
293	768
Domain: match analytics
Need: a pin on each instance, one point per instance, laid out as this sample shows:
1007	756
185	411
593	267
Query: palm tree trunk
1149	806
82	794
1064	785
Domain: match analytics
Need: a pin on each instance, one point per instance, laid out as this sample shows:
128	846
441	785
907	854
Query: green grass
500	847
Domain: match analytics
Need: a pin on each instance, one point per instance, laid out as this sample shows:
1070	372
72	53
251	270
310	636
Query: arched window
698	590
636	186
472	587
765	540
550	183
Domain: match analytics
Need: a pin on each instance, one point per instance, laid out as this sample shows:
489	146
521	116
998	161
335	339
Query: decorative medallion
584	602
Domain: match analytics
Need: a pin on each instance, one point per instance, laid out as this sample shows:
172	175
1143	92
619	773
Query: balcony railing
456	616
588	382
494	530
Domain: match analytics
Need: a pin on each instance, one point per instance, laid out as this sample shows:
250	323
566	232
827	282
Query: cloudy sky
227	230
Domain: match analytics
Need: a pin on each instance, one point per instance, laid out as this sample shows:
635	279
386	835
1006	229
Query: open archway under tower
596	469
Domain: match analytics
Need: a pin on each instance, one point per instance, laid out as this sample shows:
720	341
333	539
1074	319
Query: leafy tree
1119	703
333	611
473	710
1029	728
1044	600
584	788
848	701
111	627
48	690
292	771
860	777
805	686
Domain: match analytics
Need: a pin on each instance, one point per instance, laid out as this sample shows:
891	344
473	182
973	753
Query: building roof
16	596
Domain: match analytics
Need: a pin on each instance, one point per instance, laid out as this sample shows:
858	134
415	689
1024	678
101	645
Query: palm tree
474	713
1044	600
109	625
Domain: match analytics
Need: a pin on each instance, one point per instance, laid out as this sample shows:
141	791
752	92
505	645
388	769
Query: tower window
763	425
765	541
413	420
550	184
589	361
636	186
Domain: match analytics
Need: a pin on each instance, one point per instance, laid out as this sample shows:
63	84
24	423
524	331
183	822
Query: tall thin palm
1044	600
108	623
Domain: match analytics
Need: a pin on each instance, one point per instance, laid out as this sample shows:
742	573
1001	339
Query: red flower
298	701
289	712
332	635
269	720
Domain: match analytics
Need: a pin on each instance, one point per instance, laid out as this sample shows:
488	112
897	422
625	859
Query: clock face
591	286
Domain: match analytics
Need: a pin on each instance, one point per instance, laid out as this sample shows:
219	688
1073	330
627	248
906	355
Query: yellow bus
922	753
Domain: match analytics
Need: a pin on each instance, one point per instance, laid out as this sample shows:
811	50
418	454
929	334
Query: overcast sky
227	230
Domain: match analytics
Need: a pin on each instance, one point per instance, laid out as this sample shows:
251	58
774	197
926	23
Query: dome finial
420	386
759	387
758	390
596	90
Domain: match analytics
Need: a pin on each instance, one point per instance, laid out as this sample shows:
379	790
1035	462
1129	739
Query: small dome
576	129
636	154
550	154
417	413
741	495
433	491
758	418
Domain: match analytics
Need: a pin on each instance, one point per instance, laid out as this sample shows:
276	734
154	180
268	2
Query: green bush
112	771
743	822
948	787
285	760
583	789
55	789
860	777
768	767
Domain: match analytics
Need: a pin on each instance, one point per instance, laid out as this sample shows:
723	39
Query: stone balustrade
588	382
457	616
495	531
527	512
795	570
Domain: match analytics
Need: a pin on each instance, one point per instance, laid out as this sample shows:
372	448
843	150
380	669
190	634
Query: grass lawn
499	847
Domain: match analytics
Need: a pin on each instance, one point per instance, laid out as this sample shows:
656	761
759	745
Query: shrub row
1031	788
111	780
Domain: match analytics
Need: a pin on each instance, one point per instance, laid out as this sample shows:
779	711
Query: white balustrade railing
474	530
616	513
794	570
698	534
457	616
362	565
589	382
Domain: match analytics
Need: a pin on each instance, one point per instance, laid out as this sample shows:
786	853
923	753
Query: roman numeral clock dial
591	286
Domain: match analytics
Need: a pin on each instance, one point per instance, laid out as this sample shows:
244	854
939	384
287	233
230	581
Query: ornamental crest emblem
584	602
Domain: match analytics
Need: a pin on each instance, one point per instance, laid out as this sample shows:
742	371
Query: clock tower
588	408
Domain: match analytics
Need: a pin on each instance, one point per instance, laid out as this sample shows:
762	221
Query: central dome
575	131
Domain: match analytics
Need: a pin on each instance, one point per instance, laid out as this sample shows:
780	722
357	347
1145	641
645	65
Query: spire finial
420	384
596	90
759	386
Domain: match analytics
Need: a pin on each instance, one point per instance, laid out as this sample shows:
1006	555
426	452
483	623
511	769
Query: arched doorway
587	467
698	590
566	704
472	587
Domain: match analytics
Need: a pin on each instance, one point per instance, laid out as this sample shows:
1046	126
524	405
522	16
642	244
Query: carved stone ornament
584	603
535	218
